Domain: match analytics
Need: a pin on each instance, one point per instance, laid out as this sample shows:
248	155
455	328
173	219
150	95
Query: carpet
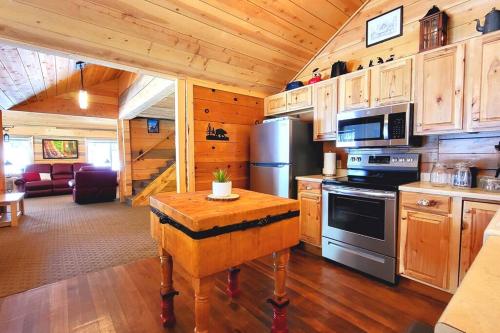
58	239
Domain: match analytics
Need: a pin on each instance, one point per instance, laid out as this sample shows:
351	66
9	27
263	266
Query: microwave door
363	132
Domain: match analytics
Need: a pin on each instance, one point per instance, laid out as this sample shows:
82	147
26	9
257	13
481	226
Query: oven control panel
382	160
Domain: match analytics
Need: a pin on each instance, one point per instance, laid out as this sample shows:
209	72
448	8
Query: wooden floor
324	298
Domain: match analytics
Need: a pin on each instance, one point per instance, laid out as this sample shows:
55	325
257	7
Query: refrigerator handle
270	165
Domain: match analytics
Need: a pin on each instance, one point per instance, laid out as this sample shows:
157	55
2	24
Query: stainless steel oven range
360	212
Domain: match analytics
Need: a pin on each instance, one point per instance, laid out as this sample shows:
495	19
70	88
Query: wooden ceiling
28	76
257	45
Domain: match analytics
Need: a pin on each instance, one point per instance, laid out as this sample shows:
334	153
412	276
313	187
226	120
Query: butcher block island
206	237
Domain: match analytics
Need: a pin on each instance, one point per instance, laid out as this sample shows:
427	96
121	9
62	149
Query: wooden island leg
202	289
233	285
280	300
167	291
13	214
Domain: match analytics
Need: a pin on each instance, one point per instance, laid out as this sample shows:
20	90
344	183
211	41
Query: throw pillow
31	176
45	176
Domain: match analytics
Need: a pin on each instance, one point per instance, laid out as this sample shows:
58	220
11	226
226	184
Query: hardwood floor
324	298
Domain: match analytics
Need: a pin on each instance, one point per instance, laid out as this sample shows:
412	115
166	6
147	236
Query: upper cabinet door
275	104
483	83
391	83
354	90
300	98
325	110
439	90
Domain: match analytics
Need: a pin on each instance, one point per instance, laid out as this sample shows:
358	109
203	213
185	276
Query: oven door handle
363	193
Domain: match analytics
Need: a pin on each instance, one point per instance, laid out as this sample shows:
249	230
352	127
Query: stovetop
382	171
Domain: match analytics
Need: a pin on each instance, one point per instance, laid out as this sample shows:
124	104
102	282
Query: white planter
221	189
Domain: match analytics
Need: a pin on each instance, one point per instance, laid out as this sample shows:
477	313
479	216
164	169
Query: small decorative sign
384	27
218	134
153	125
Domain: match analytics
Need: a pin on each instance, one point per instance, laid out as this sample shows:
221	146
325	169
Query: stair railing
141	155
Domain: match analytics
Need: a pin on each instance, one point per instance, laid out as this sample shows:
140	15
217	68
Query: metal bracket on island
216	231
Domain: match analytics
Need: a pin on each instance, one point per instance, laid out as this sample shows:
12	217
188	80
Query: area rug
58	239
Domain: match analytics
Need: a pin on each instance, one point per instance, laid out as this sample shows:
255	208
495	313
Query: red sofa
94	184
60	174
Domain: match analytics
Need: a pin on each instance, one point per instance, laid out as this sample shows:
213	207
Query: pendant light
83	98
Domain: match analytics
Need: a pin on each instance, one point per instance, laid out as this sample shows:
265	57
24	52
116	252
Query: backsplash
450	148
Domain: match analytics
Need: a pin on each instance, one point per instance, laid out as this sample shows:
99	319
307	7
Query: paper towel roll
329	164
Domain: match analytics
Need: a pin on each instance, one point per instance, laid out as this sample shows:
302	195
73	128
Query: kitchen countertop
472	193
475	306
320	178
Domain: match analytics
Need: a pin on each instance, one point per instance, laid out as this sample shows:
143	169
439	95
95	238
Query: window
103	153
18	153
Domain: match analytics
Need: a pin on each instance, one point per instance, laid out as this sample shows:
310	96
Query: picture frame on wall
153	125
384	27
56	149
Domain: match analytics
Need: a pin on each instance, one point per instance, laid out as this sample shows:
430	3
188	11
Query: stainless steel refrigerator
280	150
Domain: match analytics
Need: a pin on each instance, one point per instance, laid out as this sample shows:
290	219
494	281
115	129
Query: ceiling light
83	97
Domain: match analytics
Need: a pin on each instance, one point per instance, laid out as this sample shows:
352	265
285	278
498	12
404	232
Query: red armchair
93	184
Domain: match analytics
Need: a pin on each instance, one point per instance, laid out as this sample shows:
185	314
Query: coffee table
16	203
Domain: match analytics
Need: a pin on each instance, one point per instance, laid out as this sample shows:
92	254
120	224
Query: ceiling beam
145	92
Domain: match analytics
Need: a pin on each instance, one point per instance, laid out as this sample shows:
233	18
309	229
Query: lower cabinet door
310	218
426	247
475	218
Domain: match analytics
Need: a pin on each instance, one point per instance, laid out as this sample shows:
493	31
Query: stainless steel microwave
377	127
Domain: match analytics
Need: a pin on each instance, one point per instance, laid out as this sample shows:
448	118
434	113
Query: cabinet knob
475	119
377	99
309	187
419	124
425	203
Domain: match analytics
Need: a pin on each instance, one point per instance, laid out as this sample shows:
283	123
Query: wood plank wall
82	135
2	174
349	44
141	141
479	148
235	114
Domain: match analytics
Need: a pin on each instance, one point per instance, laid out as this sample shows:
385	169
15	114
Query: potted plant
221	185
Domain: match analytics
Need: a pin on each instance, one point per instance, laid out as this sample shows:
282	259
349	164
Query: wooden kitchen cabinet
426	248
475	218
300	98
439	90
391	83
482	98
275	104
325	110
310	212
425	238
354	90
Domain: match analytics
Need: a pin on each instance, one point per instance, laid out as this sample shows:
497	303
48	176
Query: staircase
161	180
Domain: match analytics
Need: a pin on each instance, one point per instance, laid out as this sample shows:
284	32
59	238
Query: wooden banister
151	148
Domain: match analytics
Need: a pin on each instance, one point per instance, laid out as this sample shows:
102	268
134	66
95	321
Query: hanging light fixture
83	97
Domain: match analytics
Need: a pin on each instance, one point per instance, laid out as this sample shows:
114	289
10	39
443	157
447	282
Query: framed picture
153	125
59	149
384	27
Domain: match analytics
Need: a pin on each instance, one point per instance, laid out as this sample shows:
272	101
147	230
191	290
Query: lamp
6	136
83	97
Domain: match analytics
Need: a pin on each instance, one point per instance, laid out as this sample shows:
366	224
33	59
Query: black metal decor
217	231
218	134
